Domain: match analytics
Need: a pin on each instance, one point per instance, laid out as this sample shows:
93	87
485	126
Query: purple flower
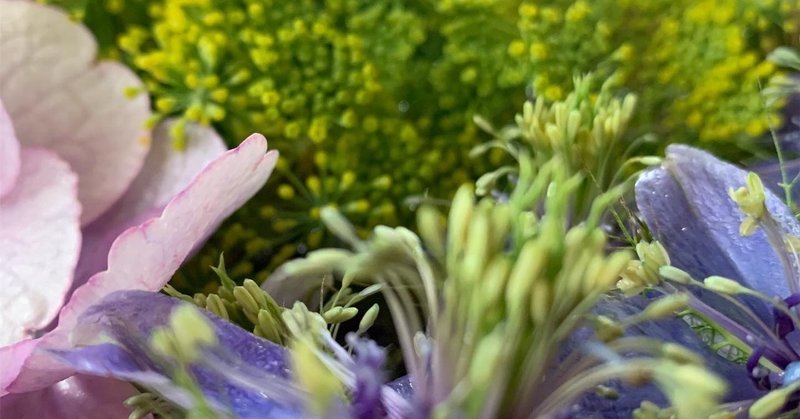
687	206
241	375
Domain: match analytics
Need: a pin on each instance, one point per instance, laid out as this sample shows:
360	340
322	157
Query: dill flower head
698	67
367	116
371	101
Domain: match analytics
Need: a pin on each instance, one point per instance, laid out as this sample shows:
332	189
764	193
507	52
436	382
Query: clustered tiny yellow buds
706	57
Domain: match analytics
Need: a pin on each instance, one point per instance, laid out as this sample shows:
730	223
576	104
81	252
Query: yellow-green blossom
697	66
371	102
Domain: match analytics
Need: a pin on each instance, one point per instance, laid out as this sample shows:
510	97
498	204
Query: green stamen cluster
644	272
246	305
585	130
504	283
509	307
254	309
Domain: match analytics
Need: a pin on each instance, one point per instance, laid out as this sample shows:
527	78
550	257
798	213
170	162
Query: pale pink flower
78	173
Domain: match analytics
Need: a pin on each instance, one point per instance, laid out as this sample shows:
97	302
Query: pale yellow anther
675	275
751	201
368	319
666	306
724	285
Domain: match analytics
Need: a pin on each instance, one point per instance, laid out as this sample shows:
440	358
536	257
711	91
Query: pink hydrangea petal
79	396
39	244
59	99
166	172
145	257
9	153
12	358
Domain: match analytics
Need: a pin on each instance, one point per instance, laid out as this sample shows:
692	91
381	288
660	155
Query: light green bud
666	306
675	275
724	285
368	319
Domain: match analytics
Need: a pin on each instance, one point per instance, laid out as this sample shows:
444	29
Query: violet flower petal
80	396
145	257
130	317
60	99
39	244
673	330
403	386
166	172
685	204
369	362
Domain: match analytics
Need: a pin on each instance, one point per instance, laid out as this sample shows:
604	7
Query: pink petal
9	153
145	257
79	396
59	99
166	172
12	358
39	244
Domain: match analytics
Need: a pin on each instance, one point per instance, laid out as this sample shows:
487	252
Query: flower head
143	337
79	188
697	66
507	282
736	253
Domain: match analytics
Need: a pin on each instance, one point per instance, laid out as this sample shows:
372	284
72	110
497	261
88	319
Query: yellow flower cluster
697	66
371	102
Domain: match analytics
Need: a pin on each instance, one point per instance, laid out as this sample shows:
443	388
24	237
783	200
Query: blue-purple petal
225	373
685	204
403	386
369	362
672	330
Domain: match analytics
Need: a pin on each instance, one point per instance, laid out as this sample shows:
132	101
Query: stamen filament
736	330
589	379
776	240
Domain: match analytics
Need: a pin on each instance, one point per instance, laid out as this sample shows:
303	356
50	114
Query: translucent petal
60	99
685	204
146	256
166	172
9	153
39	244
